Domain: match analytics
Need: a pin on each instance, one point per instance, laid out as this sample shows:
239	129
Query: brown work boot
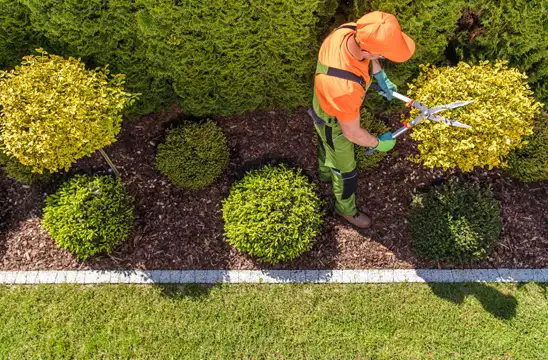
359	220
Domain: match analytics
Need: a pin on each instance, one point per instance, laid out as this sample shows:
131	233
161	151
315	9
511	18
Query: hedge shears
426	113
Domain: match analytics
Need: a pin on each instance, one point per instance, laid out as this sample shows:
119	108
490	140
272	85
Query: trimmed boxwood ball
458	222
194	155
272	214
89	215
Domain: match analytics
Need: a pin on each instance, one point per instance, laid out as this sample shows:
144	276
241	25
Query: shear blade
448	121
452	105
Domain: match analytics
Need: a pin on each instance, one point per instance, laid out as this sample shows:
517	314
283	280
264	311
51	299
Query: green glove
386	85
386	142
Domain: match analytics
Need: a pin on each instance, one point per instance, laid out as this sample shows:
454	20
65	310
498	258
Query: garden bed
179	229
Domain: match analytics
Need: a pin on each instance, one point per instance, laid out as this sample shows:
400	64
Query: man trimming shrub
194	155
273	214
501	115
89	215
348	60
459	222
55	111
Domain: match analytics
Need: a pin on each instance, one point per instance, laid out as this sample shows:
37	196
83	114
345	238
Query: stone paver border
270	276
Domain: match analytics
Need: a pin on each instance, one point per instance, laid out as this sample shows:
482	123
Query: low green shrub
374	127
531	162
459	222
20	172
89	215
273	214
193	156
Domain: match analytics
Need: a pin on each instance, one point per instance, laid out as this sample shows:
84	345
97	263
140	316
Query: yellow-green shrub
501	115
55	112
20	172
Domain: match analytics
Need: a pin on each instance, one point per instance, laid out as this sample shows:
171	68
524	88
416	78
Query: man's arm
353	132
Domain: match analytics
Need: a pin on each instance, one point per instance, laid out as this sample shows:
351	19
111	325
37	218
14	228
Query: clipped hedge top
55	111
273	214
501	114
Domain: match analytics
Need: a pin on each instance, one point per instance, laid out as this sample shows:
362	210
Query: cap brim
401	51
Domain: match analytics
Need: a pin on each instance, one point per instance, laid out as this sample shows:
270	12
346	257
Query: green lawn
399	321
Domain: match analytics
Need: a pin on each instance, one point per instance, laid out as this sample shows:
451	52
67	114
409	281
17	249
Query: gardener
341	81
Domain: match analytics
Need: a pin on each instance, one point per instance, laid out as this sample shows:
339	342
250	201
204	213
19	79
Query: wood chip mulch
178	229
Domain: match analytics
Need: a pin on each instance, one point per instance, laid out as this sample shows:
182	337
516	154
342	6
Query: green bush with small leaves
272	214
54	111
89	215
531	162
193	156
500	115
20	172
375	127
458	222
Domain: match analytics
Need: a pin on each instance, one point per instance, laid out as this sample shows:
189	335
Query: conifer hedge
513	30
429	23
17	36
105	32
229	57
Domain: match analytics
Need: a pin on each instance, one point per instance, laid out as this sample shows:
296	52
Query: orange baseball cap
380	33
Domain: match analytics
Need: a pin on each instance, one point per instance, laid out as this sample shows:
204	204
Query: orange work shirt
339	97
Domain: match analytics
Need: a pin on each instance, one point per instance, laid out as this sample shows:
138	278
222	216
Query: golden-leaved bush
501	115
54	111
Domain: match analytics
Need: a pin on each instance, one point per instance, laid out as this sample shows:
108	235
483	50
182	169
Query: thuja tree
513	30
429	23
105	32
55	111
501	115
17	36
229	57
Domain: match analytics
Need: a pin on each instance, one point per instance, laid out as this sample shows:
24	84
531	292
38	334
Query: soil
179	229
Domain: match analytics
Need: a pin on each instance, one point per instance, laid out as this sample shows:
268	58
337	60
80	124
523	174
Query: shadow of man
500	305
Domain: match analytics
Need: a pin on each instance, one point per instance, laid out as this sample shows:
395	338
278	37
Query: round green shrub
273	214
374	127
531	162
194	155
458	222
89	215
20	172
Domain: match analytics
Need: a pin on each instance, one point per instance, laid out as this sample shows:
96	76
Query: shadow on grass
186	291
498	304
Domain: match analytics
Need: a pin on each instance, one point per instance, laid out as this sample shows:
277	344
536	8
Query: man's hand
386	85
386	142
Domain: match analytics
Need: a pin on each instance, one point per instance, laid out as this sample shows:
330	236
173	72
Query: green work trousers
337	164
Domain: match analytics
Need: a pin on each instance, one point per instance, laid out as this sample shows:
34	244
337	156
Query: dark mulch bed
177	229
